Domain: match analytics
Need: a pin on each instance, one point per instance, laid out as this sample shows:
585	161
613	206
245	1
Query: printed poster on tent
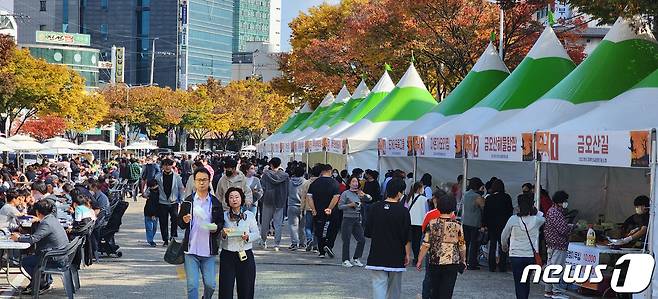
316	146
611	148
397	147
436	147
500	147
307	146
300	146
471	146
337	146
381	147
285	148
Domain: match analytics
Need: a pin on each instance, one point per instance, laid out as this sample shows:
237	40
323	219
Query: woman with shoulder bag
201	218
444	241
416	203
522	233
236	261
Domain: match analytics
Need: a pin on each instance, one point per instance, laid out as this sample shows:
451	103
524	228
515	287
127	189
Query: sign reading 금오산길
608	148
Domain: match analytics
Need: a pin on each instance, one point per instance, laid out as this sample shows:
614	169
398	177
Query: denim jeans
518	264
308	228
294	216
386	285
151	225
194	264
271	213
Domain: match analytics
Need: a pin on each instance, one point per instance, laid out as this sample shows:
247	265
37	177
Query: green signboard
63	38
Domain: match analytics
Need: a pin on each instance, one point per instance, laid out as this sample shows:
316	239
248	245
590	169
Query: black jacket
151	206
497	210
217	214
373	189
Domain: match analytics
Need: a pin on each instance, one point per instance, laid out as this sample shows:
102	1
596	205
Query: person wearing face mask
350	204
171	192
275	182
253	182
636	225
472	219
234	178
557	231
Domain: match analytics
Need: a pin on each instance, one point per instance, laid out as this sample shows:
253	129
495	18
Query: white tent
405	104
359	95
622	59
98	146
25	143
383	87
142	145
58	142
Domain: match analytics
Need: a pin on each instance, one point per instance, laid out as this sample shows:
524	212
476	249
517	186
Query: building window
104	4
43	28
42	5
104	31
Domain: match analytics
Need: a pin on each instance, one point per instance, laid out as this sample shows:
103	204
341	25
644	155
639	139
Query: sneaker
347	264
309	248
329	252
555	295
263	244
357	263
321	255
152	244
316	250
165	244
301	246
276	248
293	247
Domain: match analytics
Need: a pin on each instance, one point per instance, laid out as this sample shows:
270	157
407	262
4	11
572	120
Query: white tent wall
338	161
598	190
365	159
514	174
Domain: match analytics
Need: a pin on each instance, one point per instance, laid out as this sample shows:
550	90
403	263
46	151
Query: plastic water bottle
591	237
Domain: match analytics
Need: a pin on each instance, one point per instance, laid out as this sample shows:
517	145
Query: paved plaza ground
141	273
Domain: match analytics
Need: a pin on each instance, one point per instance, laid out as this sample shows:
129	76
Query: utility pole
153	59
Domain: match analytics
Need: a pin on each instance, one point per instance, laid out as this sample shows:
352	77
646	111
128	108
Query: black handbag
175	253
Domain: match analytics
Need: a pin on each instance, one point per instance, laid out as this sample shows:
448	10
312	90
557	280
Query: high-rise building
208	42
46	15
251	22
275	25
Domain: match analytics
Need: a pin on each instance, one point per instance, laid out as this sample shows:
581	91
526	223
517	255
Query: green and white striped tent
487	73
317	114
620	61
408	101
341	99
293	122
378	93
546	65
359	95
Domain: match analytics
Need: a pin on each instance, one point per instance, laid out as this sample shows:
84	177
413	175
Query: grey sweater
348	197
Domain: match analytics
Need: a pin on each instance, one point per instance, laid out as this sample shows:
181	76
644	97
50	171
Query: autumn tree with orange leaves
345	42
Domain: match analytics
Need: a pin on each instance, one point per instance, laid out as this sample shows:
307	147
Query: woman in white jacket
522	232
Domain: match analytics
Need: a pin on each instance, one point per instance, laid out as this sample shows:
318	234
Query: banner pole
652	210
537	175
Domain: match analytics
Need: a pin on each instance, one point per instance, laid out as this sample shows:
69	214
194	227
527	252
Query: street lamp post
153	59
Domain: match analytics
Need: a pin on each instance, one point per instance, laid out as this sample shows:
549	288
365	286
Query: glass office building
210	40
251	22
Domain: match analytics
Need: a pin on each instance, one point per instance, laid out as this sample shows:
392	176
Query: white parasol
142	145
98	146
59	142
25	143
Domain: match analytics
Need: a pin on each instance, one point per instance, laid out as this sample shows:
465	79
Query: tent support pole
325	157
465	173
652	210
538	184
416	169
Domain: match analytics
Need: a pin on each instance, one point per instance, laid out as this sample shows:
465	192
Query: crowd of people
228	205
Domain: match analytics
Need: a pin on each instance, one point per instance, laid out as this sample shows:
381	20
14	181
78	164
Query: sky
289	10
